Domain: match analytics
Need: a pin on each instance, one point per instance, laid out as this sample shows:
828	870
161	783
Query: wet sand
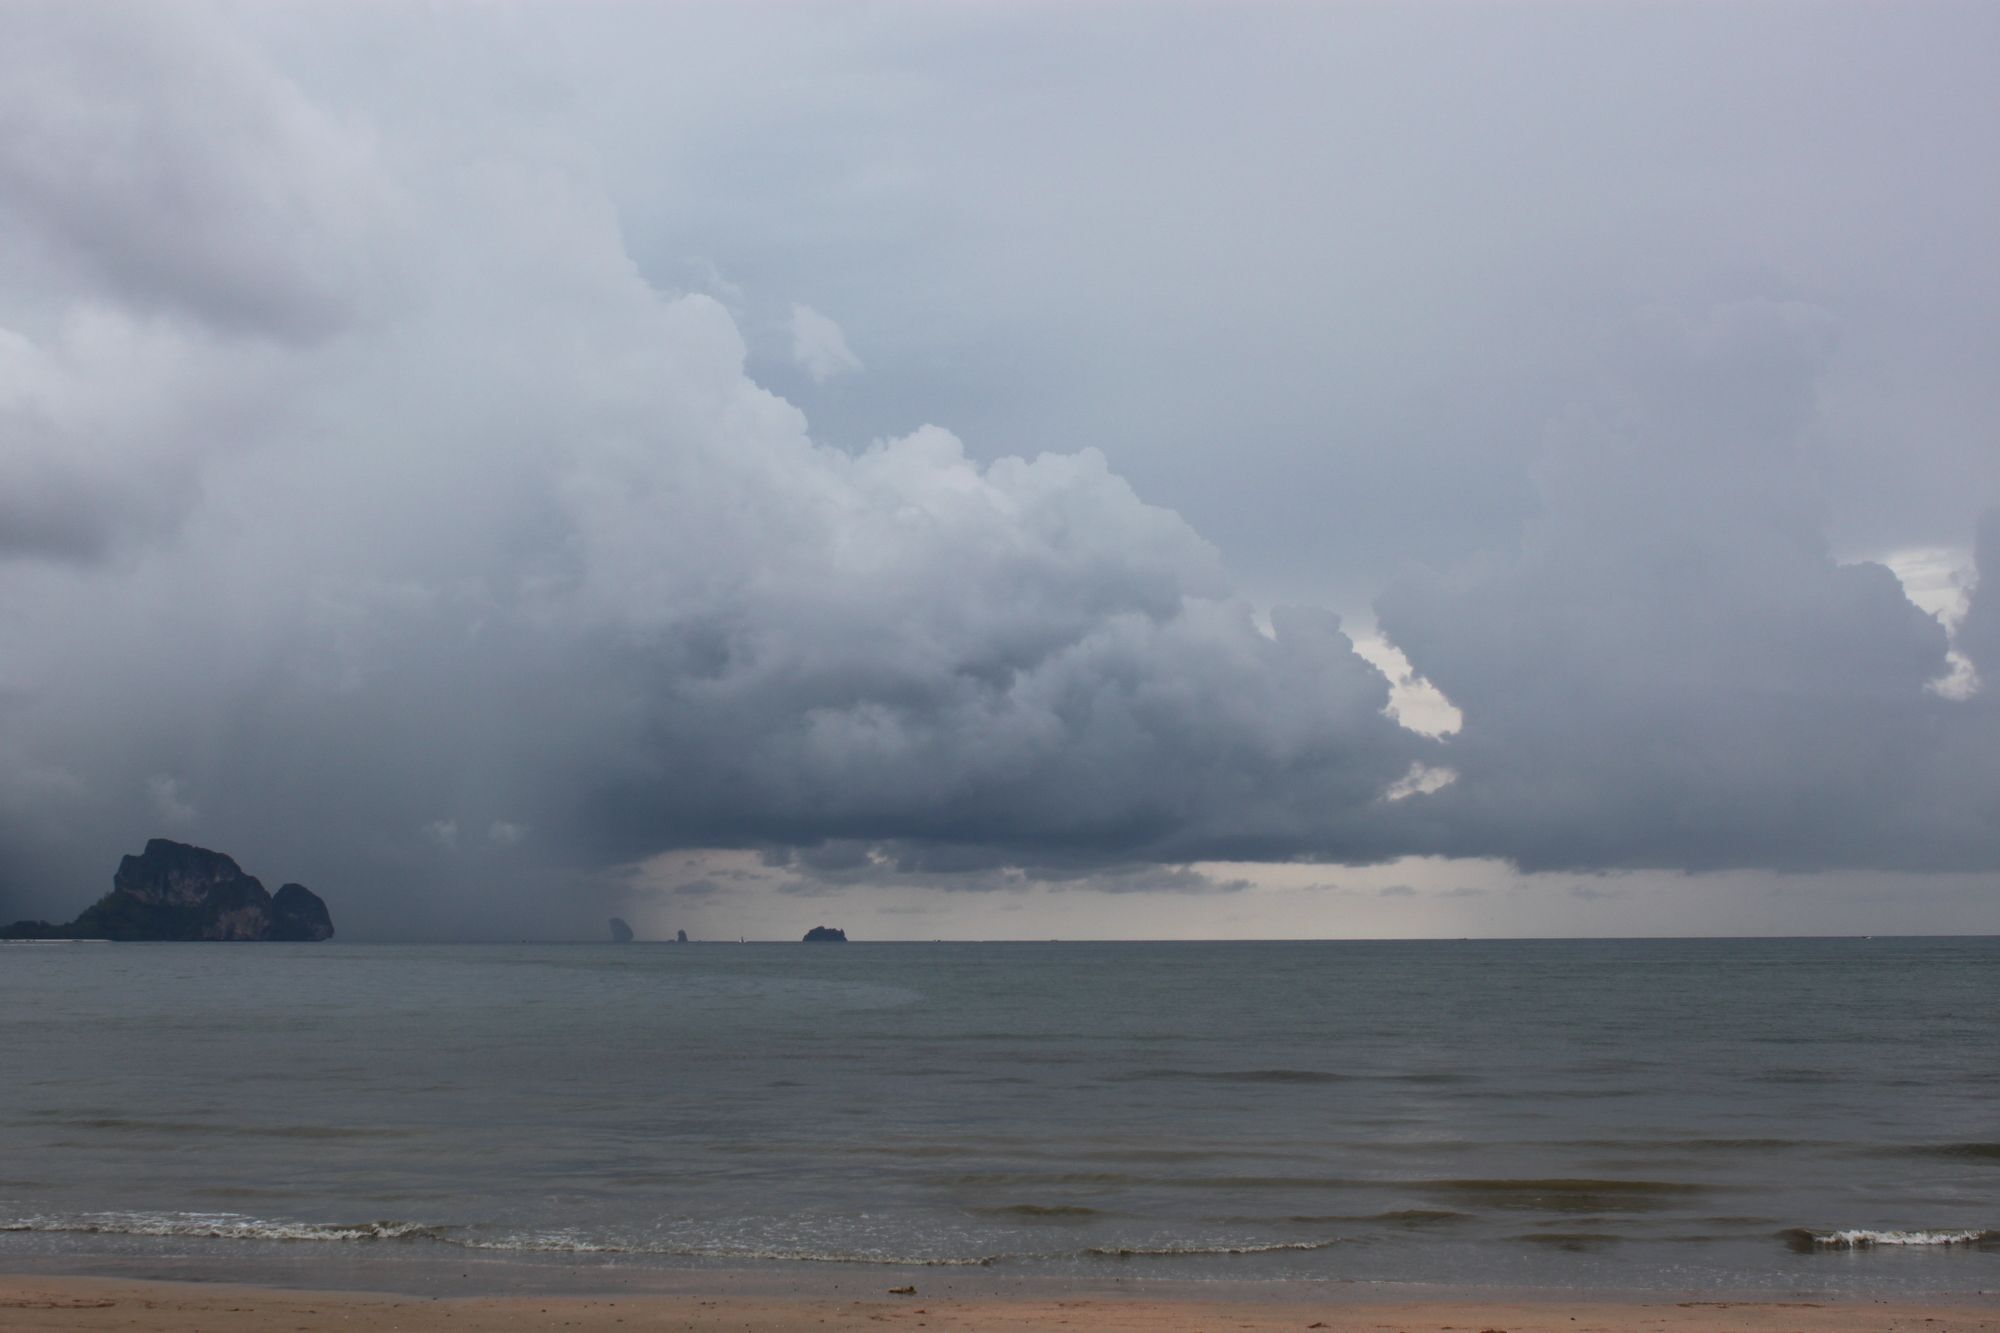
33	1304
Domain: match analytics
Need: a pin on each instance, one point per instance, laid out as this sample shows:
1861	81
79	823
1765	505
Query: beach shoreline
423	1273
44	1303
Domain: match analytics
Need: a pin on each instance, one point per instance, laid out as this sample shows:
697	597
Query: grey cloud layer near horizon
1673	670
372	509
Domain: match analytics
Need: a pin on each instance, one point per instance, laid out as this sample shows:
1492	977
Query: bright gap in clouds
1937	578
1940	581
1414	702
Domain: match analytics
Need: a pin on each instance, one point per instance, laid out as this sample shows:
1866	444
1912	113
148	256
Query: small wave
1226	1076
127	1125
1194	1249
1563	1185
1288	1075
1857	1238
1571	1240
1399	1217
1565	1195
1418	1217
1282	1184
238	1192
1031	1179
1038	1211
1174	1155
222	1226
1693	1145
1955	1152
914	1151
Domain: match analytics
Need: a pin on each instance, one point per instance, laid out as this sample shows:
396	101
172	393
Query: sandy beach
35	1304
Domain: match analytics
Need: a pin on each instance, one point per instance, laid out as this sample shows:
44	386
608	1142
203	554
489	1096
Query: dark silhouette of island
826	935
172	891
620	932
680	937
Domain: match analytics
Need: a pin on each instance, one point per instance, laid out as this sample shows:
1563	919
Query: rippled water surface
1817	1114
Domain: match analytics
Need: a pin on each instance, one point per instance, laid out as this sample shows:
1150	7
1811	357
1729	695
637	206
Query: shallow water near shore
1749	1115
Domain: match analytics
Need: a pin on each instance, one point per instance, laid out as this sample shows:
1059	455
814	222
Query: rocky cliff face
172	891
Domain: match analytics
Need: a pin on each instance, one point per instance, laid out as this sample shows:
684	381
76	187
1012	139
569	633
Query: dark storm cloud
173	214
370	509
525	578
955	869
204	187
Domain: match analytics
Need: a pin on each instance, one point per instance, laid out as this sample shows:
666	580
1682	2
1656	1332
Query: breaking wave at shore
221	1226
1858	1238
242	1227
236	1226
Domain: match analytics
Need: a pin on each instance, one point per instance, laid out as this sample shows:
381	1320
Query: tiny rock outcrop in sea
826	935
172	891
620	932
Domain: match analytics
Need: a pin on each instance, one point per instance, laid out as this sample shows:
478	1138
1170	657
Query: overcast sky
1007	470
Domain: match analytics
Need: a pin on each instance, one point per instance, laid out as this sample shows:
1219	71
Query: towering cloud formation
379	495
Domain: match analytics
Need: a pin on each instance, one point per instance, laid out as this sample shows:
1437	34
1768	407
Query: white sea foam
1858	1239
569	1242
220	1226
238	1226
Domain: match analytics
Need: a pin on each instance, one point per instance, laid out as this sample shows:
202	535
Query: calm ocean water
1686	1115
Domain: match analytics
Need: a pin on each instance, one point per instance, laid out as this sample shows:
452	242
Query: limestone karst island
172	891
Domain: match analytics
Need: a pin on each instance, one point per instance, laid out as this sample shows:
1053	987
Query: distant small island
826	935
620	932
173	891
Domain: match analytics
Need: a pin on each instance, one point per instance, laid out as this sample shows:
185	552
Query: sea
1724	1116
